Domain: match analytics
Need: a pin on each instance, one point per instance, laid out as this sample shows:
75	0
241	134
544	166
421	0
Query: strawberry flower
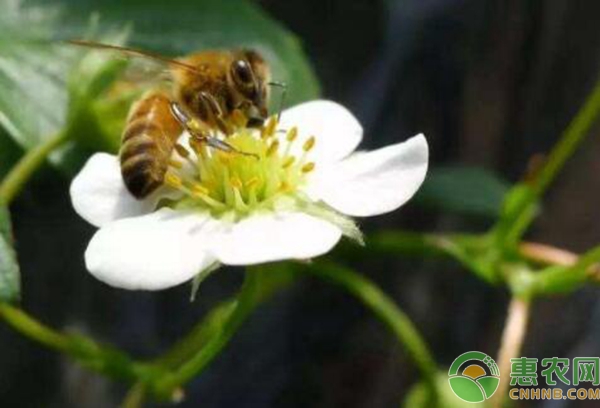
293	197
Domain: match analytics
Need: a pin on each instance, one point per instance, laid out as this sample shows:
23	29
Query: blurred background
491	83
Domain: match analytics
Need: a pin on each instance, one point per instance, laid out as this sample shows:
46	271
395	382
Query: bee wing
144	67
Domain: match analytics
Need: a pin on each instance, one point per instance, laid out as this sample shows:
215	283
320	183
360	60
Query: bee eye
242	73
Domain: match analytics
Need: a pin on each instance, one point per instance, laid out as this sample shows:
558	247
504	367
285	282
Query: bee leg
215	113
283	86
219	144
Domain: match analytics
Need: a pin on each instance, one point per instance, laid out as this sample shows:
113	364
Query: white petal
99	195
375	182
336	130
273	237
150	252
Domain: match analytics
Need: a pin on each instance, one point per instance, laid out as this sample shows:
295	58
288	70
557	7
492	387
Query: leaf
35	68
9	268
464	190
9	153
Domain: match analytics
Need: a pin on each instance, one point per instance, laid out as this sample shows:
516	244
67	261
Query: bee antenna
283	86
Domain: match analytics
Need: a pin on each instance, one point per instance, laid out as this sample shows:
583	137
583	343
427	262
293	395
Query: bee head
249	74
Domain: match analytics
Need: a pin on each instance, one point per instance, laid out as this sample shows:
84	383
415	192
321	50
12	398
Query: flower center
262	171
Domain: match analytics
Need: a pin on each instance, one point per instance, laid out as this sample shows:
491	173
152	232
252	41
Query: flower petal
99	195
151	252
273	237
375	182
336	130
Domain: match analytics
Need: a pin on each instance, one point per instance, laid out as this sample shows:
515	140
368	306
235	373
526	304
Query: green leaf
191	25
9	153
36	101
464	190
9	268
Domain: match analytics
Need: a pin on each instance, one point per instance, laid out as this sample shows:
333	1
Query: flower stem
512	341
135	397
522	213
245	304
92	355
388	313
17	177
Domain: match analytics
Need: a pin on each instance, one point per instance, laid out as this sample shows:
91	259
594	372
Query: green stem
29	327
27	165
135	397
523	212
92	355
387	312
245	304
561	279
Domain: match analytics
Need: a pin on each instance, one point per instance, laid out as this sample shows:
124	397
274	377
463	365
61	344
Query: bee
208	92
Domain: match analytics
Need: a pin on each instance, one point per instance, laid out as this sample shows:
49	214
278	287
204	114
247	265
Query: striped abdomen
147	143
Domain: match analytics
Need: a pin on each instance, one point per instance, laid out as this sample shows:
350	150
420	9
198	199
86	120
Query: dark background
490	83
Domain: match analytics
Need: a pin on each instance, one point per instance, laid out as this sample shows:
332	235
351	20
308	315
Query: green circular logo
474	376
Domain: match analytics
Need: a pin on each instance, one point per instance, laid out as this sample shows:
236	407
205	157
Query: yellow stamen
173	180
253	182
288	162
196	146
238	118
175	163
309	144
273	148
284	187
269	129
292	134
308	167
199	189
182	151
235	182
195	126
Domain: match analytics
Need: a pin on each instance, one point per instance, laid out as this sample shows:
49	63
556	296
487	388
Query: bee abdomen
147	143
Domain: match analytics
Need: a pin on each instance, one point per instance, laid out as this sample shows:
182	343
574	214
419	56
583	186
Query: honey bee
209	91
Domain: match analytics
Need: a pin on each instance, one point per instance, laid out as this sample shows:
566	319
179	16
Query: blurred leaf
9	268
9	153
34	69
33	99
464	190
185	26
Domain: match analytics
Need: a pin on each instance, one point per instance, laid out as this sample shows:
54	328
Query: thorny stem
19	175
510	346
388	313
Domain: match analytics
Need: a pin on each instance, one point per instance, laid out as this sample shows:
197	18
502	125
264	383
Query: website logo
474	376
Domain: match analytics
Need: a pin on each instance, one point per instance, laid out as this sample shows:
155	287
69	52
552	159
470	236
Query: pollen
173	180
182	151
269	128
236	183
199	189
273	148
308	167
175	163
288	162
238	118
309	144
253	182
292	134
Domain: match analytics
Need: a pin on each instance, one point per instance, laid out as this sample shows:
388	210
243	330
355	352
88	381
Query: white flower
292	202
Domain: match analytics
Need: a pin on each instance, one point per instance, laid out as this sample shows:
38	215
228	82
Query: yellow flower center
263	170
